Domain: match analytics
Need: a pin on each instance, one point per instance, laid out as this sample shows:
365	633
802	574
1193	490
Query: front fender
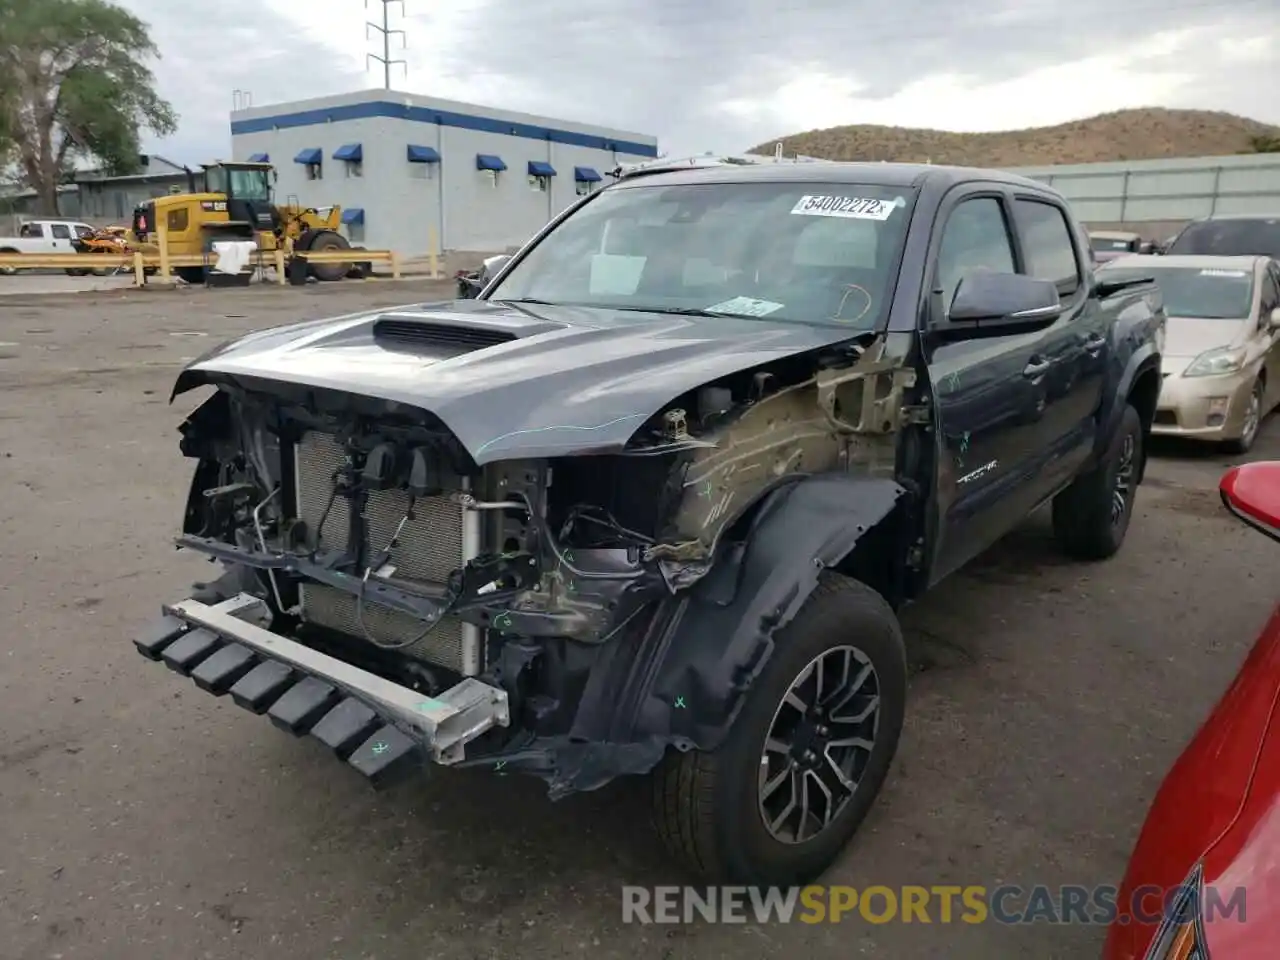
682	682
723	633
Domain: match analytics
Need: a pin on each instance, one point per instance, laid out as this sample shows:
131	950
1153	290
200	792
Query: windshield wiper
681	311
540	303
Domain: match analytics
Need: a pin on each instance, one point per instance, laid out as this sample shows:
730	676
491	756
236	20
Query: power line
386	31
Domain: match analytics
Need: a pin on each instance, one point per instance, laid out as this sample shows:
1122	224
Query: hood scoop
404	332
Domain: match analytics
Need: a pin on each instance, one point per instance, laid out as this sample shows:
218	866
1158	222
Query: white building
411	172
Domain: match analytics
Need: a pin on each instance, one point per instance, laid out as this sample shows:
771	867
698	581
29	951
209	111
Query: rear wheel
778	801
328	240
1091	517
8	271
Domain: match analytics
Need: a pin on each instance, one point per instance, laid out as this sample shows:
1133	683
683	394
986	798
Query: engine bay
366	520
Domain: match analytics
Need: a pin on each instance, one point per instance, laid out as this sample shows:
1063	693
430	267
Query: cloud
725	74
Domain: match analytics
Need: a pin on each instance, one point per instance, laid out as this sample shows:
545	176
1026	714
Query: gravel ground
143	818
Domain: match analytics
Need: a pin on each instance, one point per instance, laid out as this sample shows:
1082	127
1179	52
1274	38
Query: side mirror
1146	247
492	265
1274	319
1251	491
989	304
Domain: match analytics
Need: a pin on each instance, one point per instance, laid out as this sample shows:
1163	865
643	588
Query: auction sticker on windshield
746	307
1237	274
853	208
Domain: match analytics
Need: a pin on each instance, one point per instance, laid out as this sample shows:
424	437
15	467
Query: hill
1143	134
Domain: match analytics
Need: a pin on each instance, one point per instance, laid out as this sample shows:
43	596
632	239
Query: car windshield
1230	238
1105	244
802	252
1193	292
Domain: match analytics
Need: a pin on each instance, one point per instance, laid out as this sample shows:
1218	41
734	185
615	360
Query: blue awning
540	168
350	152
259	158
586	175
423	154
309	156
489	161
353	215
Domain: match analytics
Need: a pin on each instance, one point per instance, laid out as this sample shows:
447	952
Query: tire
8	271
706	806
1244	443
77	272
1091	517
328	240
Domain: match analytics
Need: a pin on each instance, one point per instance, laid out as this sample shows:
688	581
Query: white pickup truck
43	236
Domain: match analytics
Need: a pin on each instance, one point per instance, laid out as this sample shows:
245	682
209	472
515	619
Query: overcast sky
724	75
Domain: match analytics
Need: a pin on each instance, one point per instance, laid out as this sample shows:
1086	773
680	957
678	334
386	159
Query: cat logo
216	206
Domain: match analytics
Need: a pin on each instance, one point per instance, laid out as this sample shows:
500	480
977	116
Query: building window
540	174
314	171
355	232
422	161
490	165
585	180
354	168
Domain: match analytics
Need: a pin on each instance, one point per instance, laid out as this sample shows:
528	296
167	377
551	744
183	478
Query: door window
976	237
1270	295
61	231
1046	240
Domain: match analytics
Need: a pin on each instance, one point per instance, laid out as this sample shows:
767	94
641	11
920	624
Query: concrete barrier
158	267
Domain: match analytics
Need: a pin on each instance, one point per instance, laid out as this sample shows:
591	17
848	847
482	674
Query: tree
1265	143
74	85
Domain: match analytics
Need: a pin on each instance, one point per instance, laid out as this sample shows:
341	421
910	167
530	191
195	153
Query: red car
1204	879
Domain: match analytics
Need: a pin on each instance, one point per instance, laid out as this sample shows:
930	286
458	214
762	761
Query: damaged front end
400	602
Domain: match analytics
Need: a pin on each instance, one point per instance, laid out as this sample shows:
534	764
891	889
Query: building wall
1165	193
409	207
112	201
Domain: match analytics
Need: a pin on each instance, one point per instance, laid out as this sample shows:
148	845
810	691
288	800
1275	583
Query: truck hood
572	380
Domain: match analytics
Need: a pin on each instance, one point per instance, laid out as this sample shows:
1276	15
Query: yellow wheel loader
233	201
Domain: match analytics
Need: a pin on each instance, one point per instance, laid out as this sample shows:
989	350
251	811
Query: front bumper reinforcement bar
381	728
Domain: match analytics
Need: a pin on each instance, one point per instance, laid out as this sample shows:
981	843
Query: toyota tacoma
648	504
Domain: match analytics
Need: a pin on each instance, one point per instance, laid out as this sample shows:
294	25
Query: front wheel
1091	517
778	801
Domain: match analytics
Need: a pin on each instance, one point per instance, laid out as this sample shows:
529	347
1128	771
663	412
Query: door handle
1036	368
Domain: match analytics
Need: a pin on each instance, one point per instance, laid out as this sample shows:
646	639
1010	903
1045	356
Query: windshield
1195	293
241	184
1105	244
803	252
1230	238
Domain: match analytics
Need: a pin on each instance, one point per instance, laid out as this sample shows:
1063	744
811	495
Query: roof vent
416	333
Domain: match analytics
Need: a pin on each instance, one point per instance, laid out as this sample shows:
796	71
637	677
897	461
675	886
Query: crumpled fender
696	672
684	681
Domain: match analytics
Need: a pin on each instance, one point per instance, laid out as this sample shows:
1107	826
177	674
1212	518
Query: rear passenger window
1046	240
975	237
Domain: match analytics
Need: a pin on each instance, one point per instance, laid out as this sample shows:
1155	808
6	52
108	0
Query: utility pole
386	31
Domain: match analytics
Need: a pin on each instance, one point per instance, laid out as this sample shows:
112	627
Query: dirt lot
143	818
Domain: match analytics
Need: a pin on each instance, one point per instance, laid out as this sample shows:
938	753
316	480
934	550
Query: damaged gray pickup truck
648	505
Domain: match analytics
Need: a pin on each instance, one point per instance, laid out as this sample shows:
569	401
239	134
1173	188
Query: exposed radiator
441	538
